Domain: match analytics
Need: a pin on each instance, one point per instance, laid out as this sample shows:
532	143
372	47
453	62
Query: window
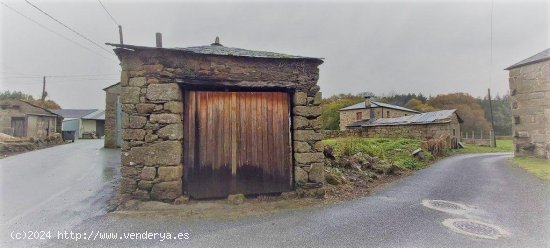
454	132
359	116
517	120
388	114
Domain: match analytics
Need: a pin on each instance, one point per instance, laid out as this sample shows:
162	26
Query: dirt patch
347	177
255	206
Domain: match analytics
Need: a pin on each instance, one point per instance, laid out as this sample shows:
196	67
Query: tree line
474	111
48	103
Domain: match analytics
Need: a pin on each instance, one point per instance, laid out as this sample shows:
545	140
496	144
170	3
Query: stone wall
331	134
530	93
350	116
111	95
152	105
418	131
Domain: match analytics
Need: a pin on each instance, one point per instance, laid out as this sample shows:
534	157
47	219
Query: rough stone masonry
530	95
152	111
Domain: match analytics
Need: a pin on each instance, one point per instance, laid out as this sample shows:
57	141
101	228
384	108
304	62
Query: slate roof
374	104
111	86
539	57
97	115
74	113
359	123
216	49
8	102
442	116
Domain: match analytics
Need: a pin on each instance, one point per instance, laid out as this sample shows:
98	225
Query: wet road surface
490	189
55	188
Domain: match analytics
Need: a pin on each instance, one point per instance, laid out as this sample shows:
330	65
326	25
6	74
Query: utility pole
120	34
494	139
43	90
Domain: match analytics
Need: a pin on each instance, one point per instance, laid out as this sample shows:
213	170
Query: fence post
481	131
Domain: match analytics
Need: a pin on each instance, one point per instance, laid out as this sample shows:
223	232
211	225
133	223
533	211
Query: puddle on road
108	174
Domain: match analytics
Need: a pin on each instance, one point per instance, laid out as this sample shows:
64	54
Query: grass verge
502	146
396	151
538	167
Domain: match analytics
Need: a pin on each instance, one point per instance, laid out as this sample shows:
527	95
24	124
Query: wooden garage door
236	142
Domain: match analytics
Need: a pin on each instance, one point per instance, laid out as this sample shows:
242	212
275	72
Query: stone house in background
113	111
358	114
22	119
419	126
530	96
210	121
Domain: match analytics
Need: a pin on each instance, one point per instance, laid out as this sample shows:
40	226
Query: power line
18	74
72	30
72	80
108	13
54	32
85	77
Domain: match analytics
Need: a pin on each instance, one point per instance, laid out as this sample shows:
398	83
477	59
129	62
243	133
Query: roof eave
514	66
121	47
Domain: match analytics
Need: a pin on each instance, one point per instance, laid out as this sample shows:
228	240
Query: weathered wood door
18	125
236	142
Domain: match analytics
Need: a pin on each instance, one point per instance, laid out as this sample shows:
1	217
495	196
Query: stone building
87	123
419	126
530	95
210	121
113	110
22	119
358	114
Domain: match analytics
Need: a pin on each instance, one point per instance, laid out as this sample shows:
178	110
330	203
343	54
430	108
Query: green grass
397	151
538	167
502	146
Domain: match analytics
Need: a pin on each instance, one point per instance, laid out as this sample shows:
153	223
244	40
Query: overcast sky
403	46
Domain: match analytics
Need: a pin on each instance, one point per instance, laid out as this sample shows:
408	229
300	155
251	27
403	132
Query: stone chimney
367	101
372	113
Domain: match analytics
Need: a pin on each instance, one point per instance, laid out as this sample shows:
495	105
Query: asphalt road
55	188
492	190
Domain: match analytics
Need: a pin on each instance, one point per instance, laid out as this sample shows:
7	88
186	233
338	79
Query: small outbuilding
210	121
356	115
87	123
19	118
530	95
422	126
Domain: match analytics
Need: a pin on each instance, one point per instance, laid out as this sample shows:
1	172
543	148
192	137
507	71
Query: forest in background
474	111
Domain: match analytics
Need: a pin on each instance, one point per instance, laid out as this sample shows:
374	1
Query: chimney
367	101
372	113
216	42
159	40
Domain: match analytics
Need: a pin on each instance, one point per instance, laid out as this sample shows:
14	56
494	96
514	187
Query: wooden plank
233	123
270	136
217	129
254	130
